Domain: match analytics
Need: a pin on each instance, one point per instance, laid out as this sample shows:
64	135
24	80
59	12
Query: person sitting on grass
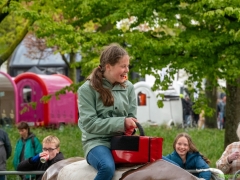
187	156
51	150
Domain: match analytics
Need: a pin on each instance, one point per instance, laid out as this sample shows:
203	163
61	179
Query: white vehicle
148	111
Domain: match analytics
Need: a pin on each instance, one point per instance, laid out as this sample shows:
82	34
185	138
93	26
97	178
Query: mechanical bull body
77	168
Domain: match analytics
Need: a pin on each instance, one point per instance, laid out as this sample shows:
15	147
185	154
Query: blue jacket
193	161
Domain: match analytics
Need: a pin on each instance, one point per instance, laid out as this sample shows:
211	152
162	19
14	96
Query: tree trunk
4	56
232	112
72	72
211	94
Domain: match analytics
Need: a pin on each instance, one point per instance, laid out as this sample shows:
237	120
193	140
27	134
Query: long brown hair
192	147
111	54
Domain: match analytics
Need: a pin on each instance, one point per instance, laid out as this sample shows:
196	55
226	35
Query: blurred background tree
201	37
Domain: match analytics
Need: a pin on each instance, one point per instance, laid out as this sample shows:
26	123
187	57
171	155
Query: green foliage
10	28
201	37
87	67
30	105
71	146
46	98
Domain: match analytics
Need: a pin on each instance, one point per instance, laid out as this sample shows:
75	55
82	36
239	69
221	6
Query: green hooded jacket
30	150
98	123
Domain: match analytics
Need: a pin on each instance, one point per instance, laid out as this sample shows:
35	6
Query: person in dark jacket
187	110
51	154
188	157
5	149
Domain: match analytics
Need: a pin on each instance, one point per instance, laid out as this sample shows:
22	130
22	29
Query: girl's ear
107	66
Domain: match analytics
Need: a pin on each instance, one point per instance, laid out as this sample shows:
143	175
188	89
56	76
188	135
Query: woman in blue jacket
187	156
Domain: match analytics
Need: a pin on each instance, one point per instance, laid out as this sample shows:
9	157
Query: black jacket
5	149
187	107
7	144
27	165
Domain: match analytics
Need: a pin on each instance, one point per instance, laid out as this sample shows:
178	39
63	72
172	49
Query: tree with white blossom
202	37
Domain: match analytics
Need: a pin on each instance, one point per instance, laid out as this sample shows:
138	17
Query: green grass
210	142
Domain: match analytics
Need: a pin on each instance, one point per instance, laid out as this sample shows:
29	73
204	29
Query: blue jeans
100	157
187	120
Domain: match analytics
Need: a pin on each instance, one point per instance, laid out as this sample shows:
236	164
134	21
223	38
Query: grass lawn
210	142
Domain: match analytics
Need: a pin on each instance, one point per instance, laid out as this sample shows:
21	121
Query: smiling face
182	146
118	72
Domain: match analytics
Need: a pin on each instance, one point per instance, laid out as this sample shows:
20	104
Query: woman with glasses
50	154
